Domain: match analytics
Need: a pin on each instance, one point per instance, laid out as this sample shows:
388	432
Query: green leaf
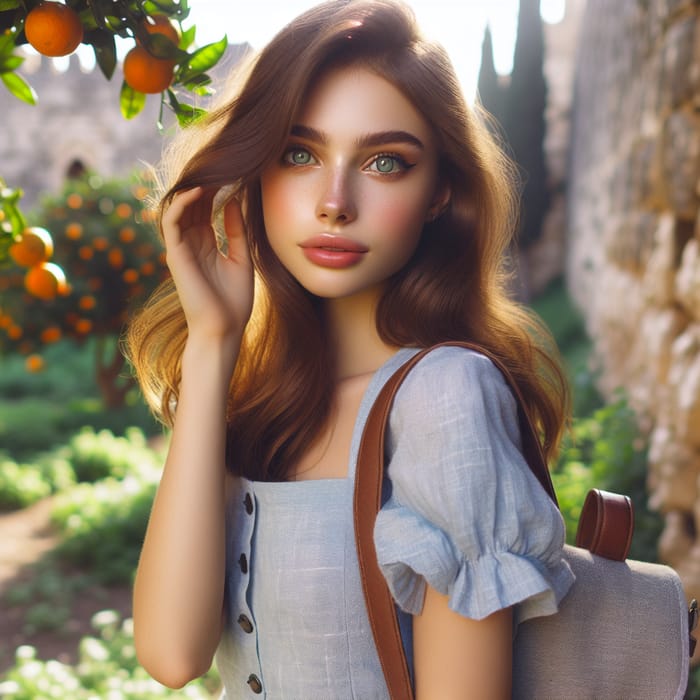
105	49
198	81
161	47
19	87
7	43
207	57
131	102
10	63
9	5
166	7
187	38
187	114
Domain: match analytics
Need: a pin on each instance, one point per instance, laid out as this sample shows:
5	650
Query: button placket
245	619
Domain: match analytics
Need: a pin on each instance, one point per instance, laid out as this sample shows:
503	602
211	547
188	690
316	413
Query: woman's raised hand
216	291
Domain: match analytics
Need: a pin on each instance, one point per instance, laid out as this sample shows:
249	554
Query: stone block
688	279
630	244
681	75
676	539
681	163
660	328
660	274
673	472
688	406
684	387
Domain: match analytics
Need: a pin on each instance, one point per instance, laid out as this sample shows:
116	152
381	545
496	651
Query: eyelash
403	164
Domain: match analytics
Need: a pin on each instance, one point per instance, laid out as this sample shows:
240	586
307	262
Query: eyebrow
378	138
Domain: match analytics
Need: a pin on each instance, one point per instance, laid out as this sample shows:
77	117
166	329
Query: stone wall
634	236
77	118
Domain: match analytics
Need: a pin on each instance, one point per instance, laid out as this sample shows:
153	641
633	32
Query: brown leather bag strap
606	524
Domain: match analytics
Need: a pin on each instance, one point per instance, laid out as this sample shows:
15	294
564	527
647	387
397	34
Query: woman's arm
179	587
457	658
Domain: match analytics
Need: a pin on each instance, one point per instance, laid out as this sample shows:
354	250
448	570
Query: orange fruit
140	192
146	73
83	326
85	252
160	24
34	246
74	231
127	234
53	29
123	210
87	302
74	201
50	334
34	363
14	332
115	258
148	268
100	243
45	281
130	276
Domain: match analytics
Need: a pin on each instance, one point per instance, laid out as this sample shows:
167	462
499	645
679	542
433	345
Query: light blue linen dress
464	514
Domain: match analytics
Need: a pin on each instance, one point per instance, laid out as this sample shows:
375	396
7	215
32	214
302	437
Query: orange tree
105	240
164	59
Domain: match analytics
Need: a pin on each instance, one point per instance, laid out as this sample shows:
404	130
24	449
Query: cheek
402	216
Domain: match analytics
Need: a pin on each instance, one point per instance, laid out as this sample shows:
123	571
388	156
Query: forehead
355	100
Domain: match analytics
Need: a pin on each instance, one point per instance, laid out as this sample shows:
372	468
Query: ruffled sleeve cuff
411	552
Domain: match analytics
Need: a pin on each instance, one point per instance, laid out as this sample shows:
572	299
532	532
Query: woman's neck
351	321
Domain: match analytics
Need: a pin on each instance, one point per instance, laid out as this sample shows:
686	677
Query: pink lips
328	250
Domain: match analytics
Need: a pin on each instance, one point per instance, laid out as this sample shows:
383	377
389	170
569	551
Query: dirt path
25	537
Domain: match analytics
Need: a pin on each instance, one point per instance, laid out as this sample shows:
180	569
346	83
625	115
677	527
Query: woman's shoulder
456	373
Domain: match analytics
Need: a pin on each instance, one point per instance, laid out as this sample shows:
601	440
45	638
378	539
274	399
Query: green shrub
102	525
98	455
32	425
88	456
107	668
21	485
606	451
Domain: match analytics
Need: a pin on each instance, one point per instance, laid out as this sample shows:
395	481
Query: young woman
363	213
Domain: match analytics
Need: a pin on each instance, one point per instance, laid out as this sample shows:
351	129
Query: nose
336	204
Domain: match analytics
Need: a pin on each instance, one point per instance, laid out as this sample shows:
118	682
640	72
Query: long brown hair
454	287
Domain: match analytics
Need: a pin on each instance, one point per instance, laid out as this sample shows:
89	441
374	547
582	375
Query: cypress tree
491	92
524	118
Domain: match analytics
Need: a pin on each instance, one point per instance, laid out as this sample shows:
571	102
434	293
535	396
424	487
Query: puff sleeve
465	514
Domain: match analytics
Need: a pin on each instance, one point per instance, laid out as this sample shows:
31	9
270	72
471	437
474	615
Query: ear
439	203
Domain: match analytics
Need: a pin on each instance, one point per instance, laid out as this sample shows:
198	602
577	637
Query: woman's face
345	204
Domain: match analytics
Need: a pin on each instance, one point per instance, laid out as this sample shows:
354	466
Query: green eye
298	156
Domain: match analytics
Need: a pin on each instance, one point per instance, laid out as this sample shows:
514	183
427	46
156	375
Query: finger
173	218
234	227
